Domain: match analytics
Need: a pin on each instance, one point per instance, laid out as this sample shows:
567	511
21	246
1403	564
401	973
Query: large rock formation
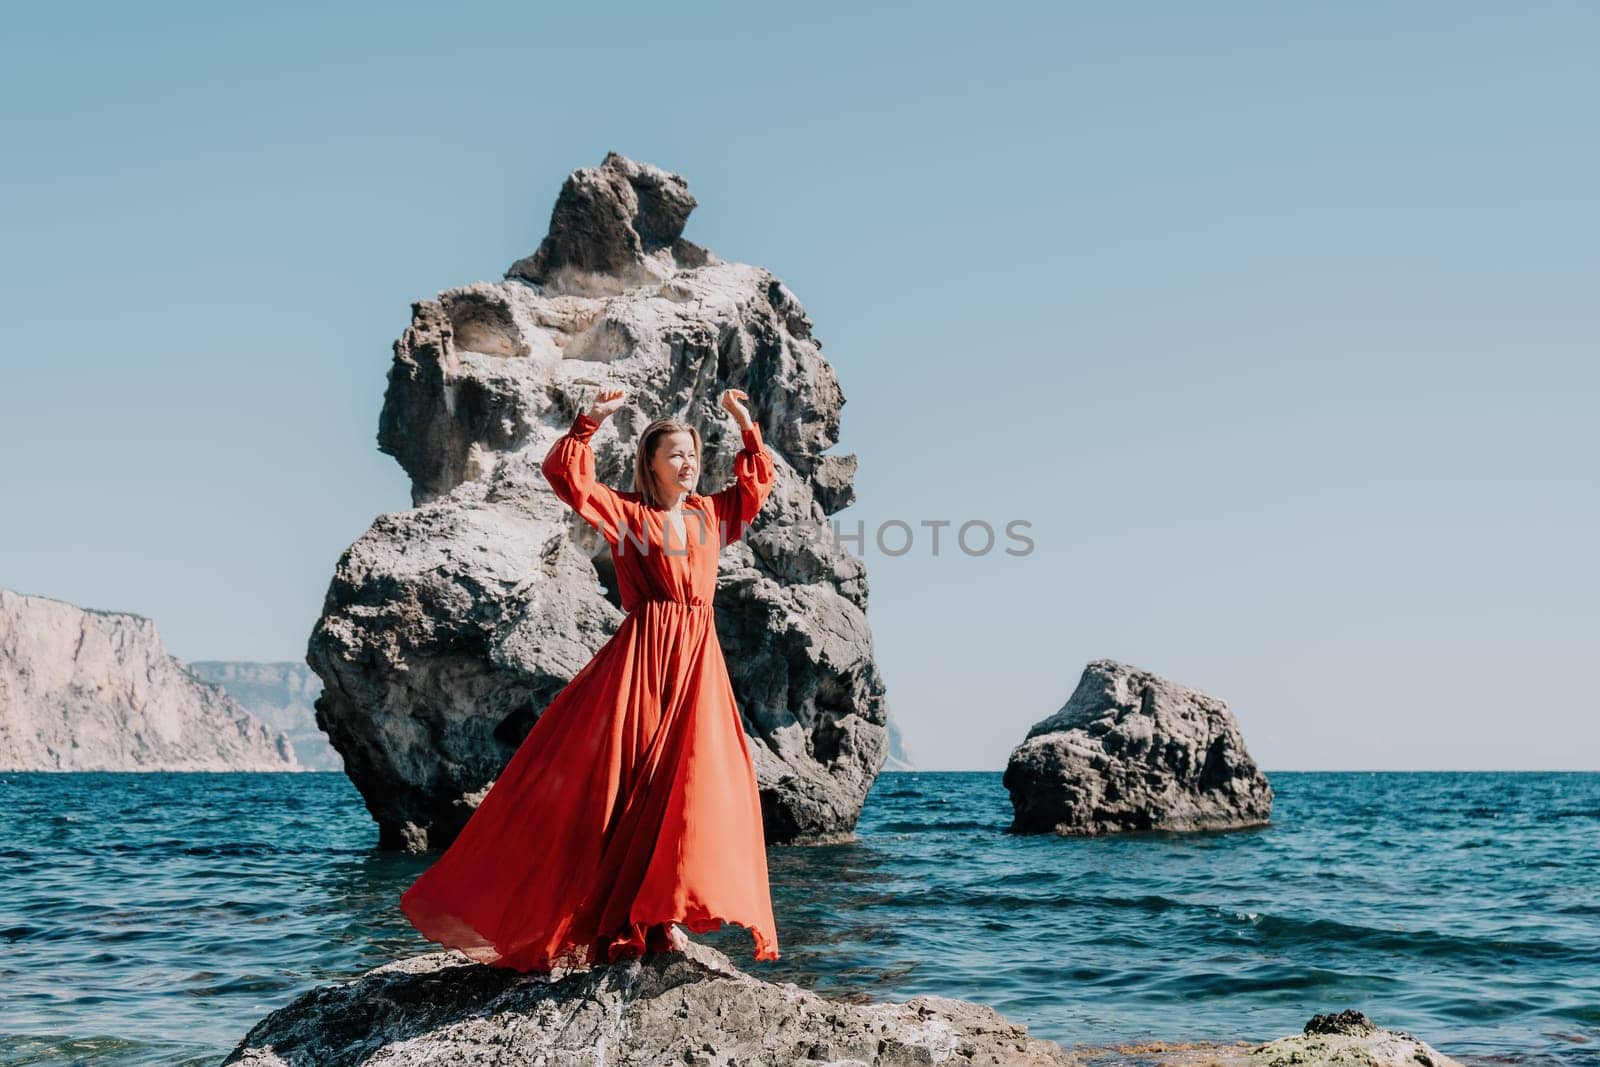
696	1007
1132	751
283	696
447	628
85	690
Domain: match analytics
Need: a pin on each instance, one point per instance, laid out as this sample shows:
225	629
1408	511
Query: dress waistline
695	603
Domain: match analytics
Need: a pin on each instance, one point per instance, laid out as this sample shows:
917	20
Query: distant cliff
86	690
900	757
281	695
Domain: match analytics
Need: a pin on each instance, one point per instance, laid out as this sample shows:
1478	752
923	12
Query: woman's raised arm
754	475
569	468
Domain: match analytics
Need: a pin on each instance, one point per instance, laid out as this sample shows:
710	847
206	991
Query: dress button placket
694	598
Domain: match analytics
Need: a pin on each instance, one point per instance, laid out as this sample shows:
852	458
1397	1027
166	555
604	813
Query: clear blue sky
1277	322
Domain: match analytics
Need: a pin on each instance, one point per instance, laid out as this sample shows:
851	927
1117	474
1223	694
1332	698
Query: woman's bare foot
665	937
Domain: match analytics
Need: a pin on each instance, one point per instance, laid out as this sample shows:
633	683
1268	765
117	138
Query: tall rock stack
448	627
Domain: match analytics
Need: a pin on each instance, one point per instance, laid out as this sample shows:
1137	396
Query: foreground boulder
691	1007
1133	751
696	1007
88	690
447	628
1347	1037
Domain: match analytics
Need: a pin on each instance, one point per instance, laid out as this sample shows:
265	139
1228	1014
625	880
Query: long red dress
633	799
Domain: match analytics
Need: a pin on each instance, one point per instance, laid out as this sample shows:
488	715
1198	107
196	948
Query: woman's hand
605	402
734	400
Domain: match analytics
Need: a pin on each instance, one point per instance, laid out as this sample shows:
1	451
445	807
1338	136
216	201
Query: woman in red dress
632	803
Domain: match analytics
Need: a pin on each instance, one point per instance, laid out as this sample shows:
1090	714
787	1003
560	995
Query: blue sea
154	918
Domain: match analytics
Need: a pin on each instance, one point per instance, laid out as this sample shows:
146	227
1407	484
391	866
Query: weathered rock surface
448	628
1345	1039
691	1007
1133	751
283	696
696	1007
86	690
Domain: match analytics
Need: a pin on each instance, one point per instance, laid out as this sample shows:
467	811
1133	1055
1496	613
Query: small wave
67	1049
905	826
1426	943
241	984
985	897
221	848
1579	909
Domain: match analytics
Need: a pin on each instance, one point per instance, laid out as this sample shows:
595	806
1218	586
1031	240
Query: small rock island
1132	751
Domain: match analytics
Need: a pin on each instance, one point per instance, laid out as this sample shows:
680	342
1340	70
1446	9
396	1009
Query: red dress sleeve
753	478
569	468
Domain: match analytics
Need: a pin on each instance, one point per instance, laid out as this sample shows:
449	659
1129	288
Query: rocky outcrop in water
696	1007
1132	751
1344	1038
691	1007
283	696
447	628
87	690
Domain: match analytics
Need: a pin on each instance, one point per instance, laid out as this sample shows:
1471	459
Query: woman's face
674	464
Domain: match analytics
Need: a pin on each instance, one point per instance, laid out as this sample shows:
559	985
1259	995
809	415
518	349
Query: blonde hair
644	482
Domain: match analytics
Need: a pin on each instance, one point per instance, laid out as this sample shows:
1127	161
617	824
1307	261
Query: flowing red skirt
631	803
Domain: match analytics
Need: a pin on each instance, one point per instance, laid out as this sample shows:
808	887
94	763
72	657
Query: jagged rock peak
614	227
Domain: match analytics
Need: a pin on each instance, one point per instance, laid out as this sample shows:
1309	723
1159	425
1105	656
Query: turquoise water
153	918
